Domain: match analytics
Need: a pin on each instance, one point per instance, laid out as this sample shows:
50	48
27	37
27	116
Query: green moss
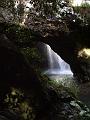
18	34
33	56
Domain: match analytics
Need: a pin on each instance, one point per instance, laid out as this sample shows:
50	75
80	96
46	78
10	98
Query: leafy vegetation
16	101
84	11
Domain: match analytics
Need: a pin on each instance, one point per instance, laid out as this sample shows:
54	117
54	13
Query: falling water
56	64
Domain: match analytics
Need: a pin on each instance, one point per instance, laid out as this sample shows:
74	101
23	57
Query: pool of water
58	72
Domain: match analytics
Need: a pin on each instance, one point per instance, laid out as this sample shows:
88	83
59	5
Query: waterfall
55	64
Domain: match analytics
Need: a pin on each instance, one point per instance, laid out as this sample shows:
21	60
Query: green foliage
41	8
50	8
17	12
86	5
84	11
9	4
15	100
45	8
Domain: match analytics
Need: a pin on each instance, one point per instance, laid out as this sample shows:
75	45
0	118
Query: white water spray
56	64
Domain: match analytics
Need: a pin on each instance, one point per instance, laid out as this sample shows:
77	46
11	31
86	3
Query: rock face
15	70
68	45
